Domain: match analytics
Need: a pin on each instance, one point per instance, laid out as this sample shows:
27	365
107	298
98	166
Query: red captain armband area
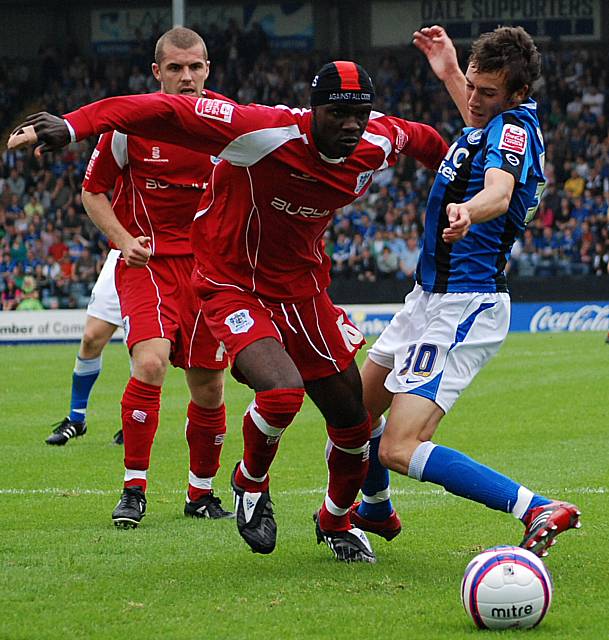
215	109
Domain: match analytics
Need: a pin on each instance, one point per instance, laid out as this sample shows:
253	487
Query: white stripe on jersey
220	284
149	220
133	200
210	185
299	111
253	262
251	147
380	141
119	148
116	195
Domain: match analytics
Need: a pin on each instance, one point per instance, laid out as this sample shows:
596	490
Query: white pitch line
56	491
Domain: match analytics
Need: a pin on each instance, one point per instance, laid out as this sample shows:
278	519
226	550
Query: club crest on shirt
239	321
513	138
474	137
362	180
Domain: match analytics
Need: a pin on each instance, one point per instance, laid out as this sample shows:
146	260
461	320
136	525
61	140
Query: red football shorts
157	301
319	337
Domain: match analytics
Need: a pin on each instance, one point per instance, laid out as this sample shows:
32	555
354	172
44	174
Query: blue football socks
463	476
85	374
376	504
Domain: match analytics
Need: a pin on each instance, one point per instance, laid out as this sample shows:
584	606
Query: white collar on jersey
331	160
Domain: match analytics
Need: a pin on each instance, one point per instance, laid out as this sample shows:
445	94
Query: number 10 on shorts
422	359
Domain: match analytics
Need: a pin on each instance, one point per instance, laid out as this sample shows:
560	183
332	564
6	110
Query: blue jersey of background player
457	315
512	142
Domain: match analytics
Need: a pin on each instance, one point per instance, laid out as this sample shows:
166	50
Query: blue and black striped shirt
511	141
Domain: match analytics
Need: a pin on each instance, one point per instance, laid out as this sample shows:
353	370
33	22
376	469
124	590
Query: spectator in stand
366	270
16	183
59	248
11	296
408	263
387	263
29	300
575	185
340	255
600	260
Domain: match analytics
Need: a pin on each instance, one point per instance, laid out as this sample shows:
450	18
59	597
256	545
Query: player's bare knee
396	454
91	345
150	368
209	395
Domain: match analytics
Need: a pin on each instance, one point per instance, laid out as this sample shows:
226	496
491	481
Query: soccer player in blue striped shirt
486	190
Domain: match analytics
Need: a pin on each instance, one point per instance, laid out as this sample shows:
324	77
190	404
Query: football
506	587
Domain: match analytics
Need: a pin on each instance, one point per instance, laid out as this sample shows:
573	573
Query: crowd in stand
50	252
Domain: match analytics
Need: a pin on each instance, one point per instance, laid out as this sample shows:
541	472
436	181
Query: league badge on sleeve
362	180
513	138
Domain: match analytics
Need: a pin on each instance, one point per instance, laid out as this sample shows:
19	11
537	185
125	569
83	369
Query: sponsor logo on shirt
401	138
240	321
155	156
455	156
89	170
215	109
298	210
362	180
153	183
513	138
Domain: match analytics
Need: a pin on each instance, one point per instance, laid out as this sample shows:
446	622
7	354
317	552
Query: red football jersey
157	187
261	221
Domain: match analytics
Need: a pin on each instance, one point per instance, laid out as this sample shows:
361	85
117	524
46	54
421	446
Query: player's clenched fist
136	251
43	127
459	220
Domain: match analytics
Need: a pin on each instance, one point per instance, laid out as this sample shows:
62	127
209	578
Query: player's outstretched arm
202	125
492	202
442	57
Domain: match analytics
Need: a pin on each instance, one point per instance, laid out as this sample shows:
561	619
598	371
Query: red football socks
263	424
140	415
347	468
205	430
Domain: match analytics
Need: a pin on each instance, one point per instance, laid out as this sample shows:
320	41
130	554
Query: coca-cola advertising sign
560	316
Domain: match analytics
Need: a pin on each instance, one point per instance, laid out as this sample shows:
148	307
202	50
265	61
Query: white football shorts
438	342
104	302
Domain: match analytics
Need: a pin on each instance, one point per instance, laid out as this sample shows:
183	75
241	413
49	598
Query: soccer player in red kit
261	270
157	187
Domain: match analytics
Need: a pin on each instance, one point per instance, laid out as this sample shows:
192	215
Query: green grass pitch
539	412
